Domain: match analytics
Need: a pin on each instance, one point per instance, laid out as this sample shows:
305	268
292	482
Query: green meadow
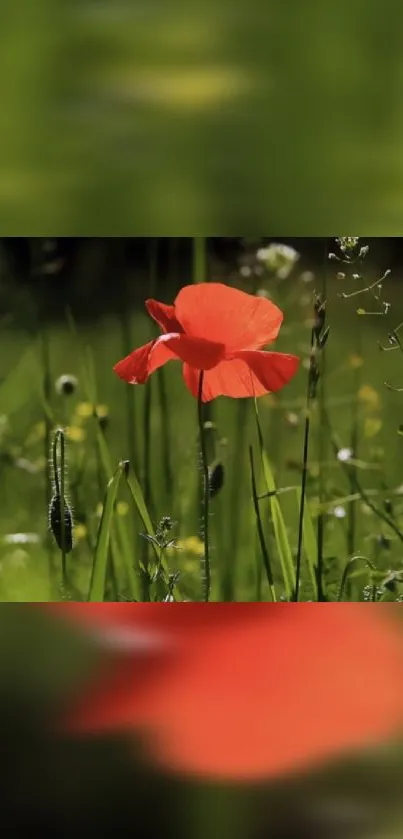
349	543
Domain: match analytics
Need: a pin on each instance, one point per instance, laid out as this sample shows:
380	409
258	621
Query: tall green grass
279	520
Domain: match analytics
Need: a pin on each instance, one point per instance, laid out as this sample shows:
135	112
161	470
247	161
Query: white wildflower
280	259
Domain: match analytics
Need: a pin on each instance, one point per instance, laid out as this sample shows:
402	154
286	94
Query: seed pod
322	338
216	479
66	385
55	522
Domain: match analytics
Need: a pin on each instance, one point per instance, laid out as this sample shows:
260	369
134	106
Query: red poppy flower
219	330
247	692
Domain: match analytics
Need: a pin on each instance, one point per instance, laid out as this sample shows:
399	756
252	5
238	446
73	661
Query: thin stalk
320	530
260	531
227	583
346	571
352	515
113	544
303	481
206	576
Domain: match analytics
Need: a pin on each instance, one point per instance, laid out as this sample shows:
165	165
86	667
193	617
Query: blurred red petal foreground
220	330
244	692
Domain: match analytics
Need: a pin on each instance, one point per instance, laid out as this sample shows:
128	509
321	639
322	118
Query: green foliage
119	550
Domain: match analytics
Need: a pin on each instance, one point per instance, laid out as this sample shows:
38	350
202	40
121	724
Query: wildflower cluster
279	259
350	254
162	541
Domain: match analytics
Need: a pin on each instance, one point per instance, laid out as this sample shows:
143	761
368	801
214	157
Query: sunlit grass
164	480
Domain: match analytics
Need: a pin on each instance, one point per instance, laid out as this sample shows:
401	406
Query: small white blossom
307	277
347	243
21	539
280	259
339	512
292	419
344	455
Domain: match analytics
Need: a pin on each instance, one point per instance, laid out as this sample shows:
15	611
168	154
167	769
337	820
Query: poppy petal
279	696
138	366
164	315
331	682
142	639
134	368
217	312
273	369
250	373
183	621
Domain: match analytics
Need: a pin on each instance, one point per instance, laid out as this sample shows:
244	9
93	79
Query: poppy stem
206	493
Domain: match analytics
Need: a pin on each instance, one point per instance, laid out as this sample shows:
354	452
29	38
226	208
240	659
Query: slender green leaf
279	527
310	543
346	572
125	550
263	546
97	585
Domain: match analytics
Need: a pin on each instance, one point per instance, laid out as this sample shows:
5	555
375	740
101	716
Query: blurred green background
151	117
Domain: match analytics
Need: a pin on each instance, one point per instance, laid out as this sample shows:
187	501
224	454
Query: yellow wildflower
372	426
355	361
80	532
369	397
75	434
190	566
102	411
84	410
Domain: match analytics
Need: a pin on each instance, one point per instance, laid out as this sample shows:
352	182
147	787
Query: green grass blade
310	544
98	577
347	569
279	527
126	551
262	541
